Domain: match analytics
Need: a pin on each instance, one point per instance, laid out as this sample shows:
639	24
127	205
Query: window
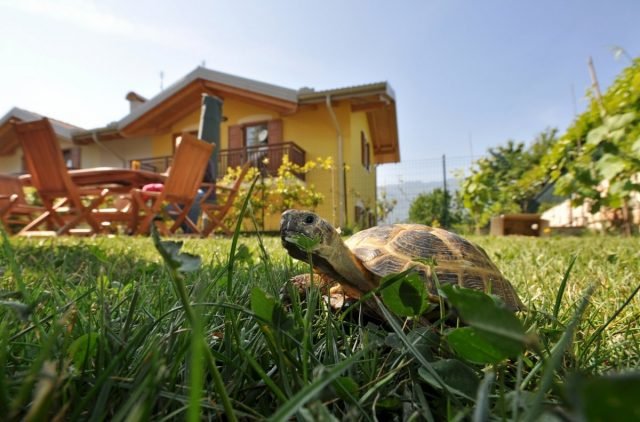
365	154
256	134
71	157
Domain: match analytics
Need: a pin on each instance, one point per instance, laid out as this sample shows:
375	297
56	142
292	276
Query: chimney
135	100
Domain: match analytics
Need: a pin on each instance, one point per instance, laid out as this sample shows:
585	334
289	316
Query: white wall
94	155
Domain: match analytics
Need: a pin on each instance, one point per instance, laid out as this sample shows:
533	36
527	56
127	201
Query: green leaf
492	321
244	254
613	397
610	166
458	377
346	387
305	243
597	135
636	146
170	252
83	349
262	304
474	347
270	309
619	121
406	296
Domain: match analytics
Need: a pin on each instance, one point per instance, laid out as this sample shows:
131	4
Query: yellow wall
313	130
361	183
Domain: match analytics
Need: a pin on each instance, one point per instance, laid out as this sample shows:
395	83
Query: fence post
445	196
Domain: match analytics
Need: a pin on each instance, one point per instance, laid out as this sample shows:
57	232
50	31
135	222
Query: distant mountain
406	192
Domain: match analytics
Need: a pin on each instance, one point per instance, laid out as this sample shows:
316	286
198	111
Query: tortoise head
329	253
300	227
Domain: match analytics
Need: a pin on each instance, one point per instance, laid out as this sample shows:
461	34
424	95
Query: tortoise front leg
327	286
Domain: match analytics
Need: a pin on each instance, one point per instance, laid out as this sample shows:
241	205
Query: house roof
159	113
8	139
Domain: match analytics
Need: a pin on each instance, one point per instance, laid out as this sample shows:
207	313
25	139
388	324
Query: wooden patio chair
15	212
66	205
216	212
180	189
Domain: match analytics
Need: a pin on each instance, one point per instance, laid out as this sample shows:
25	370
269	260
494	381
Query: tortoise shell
389	249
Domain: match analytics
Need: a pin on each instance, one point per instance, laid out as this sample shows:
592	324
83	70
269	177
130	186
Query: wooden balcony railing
267	158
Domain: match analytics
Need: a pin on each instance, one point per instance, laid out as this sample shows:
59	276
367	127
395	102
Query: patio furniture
66	205
216	212
118	180
15	212
180	189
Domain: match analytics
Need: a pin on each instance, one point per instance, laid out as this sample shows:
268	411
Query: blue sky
485	71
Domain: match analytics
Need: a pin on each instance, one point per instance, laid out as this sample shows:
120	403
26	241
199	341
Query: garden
137	329
143	328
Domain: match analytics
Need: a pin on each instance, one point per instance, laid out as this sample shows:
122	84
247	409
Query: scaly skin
331	257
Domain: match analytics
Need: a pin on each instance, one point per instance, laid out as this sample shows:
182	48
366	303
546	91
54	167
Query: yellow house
356	126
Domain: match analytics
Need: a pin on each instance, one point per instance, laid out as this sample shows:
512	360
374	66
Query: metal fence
404	181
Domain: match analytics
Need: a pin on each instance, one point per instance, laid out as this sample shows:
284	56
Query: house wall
94	155
313	130
361	182
12	164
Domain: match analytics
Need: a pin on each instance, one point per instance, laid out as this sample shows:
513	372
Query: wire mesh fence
404	181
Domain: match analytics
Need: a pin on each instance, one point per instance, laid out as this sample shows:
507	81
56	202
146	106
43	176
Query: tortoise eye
309	219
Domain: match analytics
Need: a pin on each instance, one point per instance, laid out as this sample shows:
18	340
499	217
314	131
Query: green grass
94	329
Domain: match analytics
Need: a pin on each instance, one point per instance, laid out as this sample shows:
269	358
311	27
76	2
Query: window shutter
235	157
235	137
275	131
75	157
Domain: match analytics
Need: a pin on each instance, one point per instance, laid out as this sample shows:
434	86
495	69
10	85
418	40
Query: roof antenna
161	80
204	63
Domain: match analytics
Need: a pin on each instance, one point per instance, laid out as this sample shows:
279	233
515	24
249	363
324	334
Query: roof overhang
108	133
378	102
8	138
184	97
159	117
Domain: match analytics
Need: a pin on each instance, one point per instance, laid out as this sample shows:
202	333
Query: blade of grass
555	360
310	391
236	234
603	327
181	289
482	409
563	285
391	320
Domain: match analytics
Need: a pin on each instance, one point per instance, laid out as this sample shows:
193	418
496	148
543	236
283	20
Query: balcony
267	158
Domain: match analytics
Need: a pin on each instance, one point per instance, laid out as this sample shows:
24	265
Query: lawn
104	329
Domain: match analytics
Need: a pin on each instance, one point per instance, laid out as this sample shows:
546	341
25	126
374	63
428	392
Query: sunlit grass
104	334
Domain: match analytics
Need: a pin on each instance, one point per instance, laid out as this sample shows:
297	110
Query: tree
436	209
598	159
496	185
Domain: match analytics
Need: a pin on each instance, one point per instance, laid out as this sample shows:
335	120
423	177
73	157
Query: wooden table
115	179
119	181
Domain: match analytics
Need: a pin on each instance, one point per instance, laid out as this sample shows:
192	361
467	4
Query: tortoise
358	264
